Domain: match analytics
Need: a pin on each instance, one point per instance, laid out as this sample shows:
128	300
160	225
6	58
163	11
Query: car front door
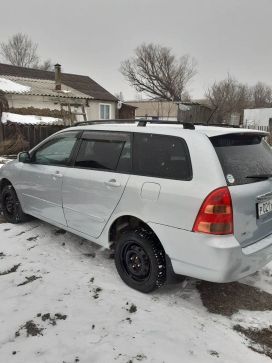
92	189
41	179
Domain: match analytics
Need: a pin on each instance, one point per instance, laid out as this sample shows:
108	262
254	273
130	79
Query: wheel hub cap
136	261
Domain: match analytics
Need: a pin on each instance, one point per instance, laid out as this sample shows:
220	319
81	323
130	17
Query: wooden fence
17	137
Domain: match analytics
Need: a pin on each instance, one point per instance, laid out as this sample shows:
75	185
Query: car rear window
243	155
161	156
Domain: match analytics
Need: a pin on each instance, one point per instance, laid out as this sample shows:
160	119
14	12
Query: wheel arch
123	222
3	183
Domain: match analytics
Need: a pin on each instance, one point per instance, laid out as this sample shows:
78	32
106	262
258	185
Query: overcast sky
92	37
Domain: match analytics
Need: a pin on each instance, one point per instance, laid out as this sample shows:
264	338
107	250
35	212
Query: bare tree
261	95
21	51
155	71
47	65
228	96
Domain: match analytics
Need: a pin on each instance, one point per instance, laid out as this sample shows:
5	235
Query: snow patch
30	119
9	86
4	161
170	325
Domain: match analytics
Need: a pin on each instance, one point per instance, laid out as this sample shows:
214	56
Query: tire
140	260
11	206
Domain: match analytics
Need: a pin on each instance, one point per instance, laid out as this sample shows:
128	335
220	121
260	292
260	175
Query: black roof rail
144	122
103	122
186	125
141	123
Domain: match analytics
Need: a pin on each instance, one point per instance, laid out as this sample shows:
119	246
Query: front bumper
212	258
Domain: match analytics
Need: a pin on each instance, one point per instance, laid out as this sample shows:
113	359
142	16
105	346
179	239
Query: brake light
216	214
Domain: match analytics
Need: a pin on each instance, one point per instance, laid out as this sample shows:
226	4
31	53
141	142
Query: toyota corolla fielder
195	201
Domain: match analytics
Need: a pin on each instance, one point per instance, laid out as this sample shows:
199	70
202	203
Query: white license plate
264	207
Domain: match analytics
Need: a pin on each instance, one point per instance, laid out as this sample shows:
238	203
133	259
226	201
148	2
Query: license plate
264	207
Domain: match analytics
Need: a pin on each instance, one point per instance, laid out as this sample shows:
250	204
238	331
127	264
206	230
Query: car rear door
246	161
93	187
161	188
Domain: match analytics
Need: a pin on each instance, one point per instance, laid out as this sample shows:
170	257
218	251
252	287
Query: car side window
56	151
104	153
161	156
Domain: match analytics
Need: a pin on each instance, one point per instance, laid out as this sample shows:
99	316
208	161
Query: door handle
112	183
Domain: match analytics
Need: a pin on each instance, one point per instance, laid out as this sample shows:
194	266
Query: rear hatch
246	161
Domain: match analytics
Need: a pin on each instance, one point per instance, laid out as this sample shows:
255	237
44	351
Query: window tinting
161	156
243	155
99	154
56	151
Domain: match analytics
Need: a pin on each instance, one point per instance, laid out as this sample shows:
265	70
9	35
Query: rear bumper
212	258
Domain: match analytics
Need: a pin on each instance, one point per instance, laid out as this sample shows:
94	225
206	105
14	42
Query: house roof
43	87
83	84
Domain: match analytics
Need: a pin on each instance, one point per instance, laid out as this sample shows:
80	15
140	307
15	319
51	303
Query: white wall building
258	118
77	95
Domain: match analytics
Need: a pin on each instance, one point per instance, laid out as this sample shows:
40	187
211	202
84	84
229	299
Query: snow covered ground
63	302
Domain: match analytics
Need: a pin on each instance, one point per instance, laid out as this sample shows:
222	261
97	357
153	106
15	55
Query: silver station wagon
167	198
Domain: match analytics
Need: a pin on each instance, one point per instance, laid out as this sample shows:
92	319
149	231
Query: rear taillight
215	215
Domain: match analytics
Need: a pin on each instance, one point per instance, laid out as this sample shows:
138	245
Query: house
191	111
71	97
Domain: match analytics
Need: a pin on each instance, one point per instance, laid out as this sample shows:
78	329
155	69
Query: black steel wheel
135	261
11	206
140	260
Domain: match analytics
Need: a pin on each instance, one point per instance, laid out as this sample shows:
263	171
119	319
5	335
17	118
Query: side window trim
130	140
74	153
105	135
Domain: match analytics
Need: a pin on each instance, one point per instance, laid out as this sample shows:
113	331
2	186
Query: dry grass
14	146
260	340
228	299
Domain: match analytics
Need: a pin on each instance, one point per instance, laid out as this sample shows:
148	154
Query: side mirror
24	157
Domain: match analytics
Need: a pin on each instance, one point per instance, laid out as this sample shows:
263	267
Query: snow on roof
45	87
30	119
7	85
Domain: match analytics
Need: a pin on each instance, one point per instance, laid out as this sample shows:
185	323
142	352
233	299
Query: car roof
167	129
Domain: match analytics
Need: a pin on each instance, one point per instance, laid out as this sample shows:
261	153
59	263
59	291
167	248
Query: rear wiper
260	176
